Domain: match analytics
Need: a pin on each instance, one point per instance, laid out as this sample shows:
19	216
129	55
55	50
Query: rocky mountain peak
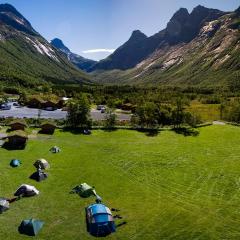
58	43
138	35
180	16
11	17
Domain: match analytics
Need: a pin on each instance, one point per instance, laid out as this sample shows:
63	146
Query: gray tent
55	149
42	163
26	191
39	175
4	205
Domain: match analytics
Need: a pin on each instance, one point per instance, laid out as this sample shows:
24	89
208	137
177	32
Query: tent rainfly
42	163
84	190
4	205
100	222
55	149
15	163
39	176
26	191
30	227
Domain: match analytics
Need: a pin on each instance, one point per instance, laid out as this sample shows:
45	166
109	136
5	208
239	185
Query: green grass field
167	187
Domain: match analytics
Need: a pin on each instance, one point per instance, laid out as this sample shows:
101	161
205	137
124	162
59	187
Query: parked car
99	107
103	110
50	109
15	104
5	106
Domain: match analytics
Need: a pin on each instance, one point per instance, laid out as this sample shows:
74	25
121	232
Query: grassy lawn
167	187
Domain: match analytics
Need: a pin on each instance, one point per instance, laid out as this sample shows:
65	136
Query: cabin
48	128
50	105
18	125
63	102
16	140
35	103
128	107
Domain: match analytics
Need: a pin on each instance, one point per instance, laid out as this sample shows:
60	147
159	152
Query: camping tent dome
84	190
30	227
100	221
55	149
26	191
15	163
42	163
4	205
39	175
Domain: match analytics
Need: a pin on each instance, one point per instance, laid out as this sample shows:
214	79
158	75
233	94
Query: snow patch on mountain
44	50
2	38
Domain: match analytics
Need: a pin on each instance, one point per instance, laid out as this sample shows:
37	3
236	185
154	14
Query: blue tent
100	222
30	227
15	163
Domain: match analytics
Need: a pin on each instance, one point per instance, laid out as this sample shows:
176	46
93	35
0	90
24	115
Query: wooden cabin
18	125
16	140
35	103
48	128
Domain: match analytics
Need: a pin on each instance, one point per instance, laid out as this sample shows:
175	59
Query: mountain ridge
79	61
182	27
209	56
27	59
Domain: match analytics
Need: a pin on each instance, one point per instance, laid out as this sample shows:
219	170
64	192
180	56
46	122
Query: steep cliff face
182	28
209	57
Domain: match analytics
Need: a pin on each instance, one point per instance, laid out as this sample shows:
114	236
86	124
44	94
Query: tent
26	191
55	149
42	163
30	227
4	205
84	190
100	222
87	132
15	163
39	175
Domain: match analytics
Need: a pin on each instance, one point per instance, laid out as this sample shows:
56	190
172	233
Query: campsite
167	186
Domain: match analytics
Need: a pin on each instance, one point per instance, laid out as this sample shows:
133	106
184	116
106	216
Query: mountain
81	62
183	27
27	59
197	48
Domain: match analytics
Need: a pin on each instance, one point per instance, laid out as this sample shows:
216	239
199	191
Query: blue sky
86	25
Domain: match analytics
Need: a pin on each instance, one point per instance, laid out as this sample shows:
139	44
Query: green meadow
167	186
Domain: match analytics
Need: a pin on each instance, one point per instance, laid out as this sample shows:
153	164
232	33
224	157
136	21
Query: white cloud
101	50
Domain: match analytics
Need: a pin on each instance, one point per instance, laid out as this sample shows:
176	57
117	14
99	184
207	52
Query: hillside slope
205	52
27	59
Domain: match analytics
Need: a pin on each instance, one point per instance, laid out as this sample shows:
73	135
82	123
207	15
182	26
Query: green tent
30	227
84	190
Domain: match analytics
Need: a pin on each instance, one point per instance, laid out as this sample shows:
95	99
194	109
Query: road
25	112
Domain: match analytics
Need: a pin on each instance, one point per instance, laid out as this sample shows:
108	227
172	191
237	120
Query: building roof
18	133
48	123
18	121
